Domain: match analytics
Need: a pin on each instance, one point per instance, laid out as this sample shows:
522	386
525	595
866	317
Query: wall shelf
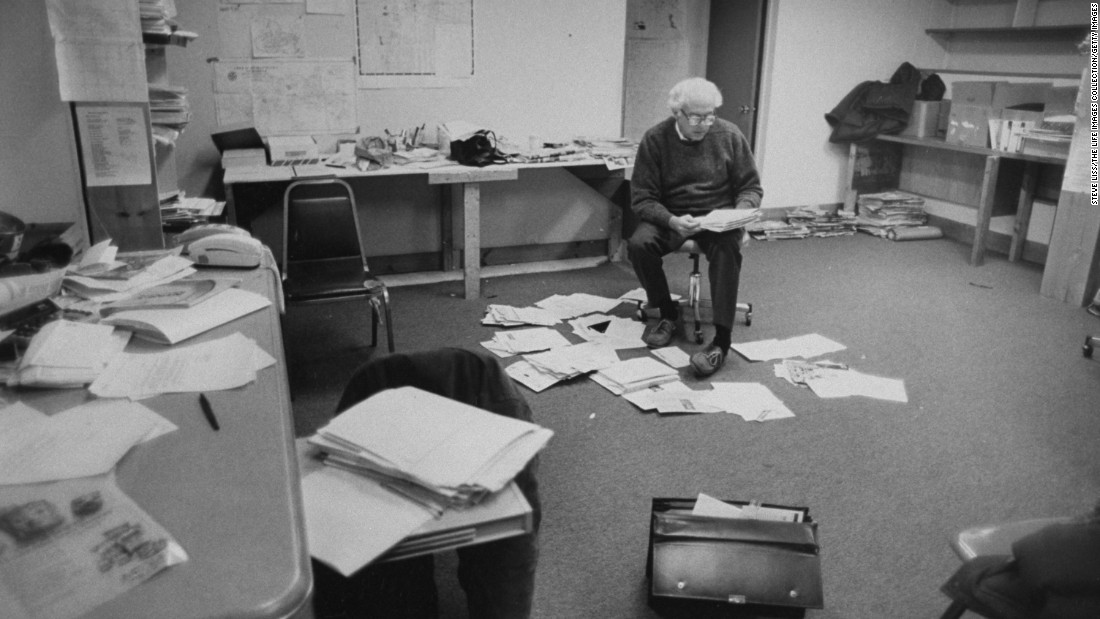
1071	30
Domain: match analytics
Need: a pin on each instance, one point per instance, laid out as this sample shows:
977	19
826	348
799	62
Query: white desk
462	225
231	498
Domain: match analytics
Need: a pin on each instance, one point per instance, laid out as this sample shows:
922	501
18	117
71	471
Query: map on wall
286	97
418	39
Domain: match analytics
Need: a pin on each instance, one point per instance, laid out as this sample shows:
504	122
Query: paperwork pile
823	222
726	219
509	316
540	370
66	354
432	450
577	304
634	374
881	212
508	343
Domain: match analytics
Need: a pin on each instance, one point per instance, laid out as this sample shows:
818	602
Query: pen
208	411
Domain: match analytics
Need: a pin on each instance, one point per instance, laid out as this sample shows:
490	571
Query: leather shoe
660	335
708	360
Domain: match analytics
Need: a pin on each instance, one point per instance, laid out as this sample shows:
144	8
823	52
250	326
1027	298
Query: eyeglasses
695	120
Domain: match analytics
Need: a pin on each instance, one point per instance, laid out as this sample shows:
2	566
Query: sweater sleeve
645	184
744	177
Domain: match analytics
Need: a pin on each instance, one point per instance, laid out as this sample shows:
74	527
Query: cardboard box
1009	94
968	125
924	119
1060	100
973	93
293	150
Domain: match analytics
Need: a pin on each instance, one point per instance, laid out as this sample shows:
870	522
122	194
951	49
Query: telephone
195	233
221	245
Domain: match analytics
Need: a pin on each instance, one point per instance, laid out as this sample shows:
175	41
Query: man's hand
685	225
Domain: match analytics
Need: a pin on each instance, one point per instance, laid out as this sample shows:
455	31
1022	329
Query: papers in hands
725	219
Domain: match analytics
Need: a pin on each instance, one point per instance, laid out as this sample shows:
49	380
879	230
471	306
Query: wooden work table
461	220
988	184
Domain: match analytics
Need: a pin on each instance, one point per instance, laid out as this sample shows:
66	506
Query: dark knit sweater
676	177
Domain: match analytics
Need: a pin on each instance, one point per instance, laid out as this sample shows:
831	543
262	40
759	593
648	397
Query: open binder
733	560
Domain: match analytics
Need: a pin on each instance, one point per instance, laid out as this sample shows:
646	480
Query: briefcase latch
737	599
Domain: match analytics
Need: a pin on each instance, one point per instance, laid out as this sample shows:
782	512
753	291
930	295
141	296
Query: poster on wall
415	43
98	50
114	145
287	96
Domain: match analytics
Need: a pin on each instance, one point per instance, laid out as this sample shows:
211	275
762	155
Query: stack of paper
775	230
634	374
881	212
725	219
540	370
823	222
508	316
508	343
433	450
65	354
173	325
105	276
750	401
577	304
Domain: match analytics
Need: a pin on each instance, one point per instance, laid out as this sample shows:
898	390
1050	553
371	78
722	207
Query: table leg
1023	211
471	234
985	209
230	205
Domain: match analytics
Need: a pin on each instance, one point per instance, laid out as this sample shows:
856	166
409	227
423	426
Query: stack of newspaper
881	212
432	450
822	222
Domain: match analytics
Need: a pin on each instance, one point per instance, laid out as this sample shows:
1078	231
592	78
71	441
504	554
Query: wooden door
734	53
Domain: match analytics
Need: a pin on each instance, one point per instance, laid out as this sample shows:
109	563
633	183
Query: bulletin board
345	66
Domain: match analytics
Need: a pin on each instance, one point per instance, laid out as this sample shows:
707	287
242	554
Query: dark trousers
649	245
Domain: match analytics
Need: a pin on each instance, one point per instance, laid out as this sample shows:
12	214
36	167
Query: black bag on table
478	150
735	561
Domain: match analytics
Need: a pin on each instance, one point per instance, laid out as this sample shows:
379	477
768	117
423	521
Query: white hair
694	90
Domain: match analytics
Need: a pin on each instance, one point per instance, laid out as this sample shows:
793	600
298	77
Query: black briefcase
736	561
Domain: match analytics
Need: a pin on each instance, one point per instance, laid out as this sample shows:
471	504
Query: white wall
818	52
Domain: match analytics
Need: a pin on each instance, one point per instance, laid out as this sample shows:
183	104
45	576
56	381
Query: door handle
745	109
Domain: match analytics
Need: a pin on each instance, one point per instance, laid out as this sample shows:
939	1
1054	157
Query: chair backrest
320	222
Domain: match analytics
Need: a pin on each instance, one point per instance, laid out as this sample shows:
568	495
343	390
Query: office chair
988	541
694	298
497	577
323	257
1090	341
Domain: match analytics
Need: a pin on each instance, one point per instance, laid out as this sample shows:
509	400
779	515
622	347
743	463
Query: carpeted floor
1001	422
